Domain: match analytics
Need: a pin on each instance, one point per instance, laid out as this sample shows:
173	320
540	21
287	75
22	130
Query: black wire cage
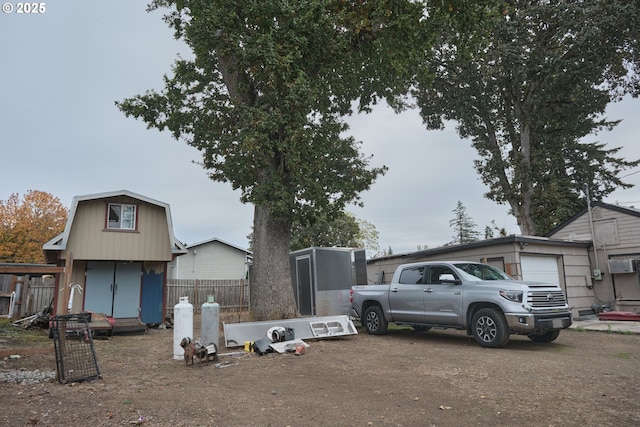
75	354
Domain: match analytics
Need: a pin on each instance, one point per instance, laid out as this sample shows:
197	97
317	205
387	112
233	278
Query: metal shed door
305	288
540	269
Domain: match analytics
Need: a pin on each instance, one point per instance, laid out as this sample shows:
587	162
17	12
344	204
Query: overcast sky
60	132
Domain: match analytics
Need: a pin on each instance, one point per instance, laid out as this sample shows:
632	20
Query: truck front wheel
373	320
546	337
490	328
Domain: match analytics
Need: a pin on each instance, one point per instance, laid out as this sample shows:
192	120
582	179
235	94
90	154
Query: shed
115	249
322	279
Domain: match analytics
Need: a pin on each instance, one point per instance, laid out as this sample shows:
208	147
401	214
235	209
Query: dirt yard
405	378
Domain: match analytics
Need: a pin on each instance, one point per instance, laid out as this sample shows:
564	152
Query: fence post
196	291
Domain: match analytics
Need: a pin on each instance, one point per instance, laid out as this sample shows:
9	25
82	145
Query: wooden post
195	296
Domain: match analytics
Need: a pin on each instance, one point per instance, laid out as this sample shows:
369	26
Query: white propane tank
182	325
210	322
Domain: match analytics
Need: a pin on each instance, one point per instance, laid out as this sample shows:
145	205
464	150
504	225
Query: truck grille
546	299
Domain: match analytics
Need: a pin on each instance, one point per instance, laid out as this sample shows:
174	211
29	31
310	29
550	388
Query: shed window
121	217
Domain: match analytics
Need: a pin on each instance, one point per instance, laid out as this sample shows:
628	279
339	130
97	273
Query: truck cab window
412	276
436	271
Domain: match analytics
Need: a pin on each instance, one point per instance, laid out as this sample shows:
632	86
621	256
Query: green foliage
463	226
264	96
263	100
339	231
526	85
491	230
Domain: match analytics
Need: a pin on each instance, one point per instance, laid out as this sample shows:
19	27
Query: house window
121	217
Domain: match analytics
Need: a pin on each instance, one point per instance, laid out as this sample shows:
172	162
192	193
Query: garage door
540	269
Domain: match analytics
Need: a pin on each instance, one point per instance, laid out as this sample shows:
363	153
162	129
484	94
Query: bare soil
404	378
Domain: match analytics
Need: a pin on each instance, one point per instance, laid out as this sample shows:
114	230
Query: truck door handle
394	289
457	293
428	290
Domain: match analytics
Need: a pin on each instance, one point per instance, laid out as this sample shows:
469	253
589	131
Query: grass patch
623	356
394	327
559	348
18	336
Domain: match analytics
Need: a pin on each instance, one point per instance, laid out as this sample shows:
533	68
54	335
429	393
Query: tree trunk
524	214
271	289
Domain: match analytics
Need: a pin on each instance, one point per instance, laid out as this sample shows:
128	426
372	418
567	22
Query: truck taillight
350	295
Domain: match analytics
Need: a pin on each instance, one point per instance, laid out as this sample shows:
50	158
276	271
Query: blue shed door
151	297
126	297
98	293
113	288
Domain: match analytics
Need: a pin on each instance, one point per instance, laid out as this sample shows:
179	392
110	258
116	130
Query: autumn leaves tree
27	223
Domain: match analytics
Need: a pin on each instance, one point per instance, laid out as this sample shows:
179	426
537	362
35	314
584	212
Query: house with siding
212	259
523	257
614	256
115	250
594	256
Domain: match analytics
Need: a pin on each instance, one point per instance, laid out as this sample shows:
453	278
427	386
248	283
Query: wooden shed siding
91	240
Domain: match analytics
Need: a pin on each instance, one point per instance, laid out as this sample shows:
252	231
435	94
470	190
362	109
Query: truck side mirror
448	278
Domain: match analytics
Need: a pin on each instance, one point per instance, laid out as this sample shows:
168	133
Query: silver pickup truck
475	297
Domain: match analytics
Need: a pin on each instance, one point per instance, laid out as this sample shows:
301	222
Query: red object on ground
619	315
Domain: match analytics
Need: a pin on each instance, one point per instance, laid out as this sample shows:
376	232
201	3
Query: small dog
201	353
189	350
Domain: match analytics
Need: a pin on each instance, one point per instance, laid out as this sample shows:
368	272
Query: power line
629	174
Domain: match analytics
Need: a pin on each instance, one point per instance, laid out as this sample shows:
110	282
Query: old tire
489	328
373	320
546	337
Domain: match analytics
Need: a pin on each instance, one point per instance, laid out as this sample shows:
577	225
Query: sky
62	70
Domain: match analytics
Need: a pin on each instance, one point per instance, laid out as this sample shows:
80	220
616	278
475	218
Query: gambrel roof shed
115	249
60	242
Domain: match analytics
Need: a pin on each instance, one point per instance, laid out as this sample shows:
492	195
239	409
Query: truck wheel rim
486	328
372	321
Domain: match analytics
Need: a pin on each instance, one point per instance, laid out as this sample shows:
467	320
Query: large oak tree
263	99
527	87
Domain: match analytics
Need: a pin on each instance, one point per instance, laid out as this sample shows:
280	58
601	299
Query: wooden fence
232	295
32	294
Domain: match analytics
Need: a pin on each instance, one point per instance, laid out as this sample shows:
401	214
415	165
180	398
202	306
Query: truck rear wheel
373	320
546	337
490	328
